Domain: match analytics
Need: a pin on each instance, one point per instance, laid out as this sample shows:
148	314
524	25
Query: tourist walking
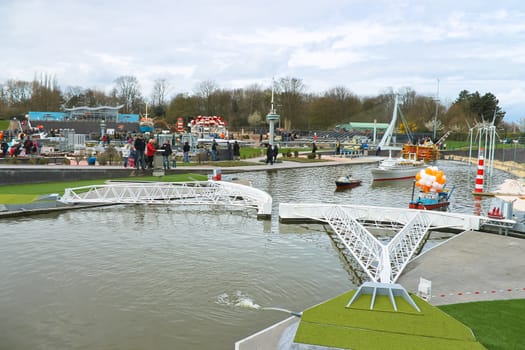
269	154
314	148
150	152
140	148
186	152
132	156
126	150
214	150
275	153
166	147
230	151
236	150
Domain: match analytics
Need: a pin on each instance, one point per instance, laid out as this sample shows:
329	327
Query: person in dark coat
166	147
236	150
275	153
269	154
186	152
214	150
140	148
314	148
230	150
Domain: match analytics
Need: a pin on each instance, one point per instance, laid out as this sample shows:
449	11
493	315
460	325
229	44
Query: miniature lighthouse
272	117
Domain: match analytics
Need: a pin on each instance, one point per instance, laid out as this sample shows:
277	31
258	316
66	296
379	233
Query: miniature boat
346	182
431	201
433	195
397	169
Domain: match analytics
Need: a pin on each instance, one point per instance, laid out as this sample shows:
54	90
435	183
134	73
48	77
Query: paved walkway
326	160
472	266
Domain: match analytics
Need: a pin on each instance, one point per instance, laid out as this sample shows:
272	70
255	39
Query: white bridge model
216	193
382	263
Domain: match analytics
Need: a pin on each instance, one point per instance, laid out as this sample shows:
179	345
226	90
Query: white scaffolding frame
216	193
382	263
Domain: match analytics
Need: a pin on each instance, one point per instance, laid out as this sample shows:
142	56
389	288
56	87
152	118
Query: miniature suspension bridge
198	193
382	263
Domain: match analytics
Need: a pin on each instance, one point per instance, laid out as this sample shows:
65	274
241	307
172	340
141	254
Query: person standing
214	150
236	150
338	147
125	154
4	147
230	151
166	147
132	156
275	153
186	152
140	148
269	154
150	153
314	148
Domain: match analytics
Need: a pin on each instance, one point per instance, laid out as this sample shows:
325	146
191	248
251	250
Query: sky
436	48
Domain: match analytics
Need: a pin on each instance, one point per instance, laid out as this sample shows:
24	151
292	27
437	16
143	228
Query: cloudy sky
367	46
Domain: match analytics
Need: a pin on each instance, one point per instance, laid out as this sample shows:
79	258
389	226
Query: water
149	277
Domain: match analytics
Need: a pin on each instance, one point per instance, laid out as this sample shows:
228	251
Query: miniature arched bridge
215	193
382	263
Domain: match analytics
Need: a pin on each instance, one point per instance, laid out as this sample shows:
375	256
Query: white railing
217	193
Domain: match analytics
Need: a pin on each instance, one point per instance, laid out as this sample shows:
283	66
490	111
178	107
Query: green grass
499	325
457	145
4	124
26	193
464	145
332	324
252	152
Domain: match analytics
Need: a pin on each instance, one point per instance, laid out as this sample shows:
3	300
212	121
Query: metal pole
435	115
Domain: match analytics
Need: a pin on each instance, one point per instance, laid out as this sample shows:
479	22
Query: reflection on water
393	183
151	277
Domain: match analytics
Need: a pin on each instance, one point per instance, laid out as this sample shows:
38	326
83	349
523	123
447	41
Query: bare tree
160	90
291	98
205	91
17	92
127	91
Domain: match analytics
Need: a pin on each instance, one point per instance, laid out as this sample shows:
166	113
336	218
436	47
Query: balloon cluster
431	179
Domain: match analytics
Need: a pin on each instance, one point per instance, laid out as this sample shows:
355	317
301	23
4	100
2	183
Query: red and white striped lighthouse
480	175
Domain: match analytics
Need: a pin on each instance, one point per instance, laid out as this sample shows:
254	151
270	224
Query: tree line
247	107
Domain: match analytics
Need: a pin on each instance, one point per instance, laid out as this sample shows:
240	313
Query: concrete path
327	160
23	173
472	266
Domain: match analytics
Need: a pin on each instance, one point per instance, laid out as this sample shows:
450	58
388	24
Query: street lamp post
436	114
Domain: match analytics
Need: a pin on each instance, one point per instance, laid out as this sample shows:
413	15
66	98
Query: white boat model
397	169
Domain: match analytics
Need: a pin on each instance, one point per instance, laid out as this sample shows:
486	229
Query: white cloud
365	46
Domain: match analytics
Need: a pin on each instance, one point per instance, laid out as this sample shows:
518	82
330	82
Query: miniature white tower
272	117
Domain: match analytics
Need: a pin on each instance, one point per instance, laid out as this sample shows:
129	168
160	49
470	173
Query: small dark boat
346	182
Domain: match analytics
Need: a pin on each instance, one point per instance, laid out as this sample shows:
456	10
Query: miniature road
473	266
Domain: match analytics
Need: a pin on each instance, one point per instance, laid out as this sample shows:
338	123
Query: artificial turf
332	324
